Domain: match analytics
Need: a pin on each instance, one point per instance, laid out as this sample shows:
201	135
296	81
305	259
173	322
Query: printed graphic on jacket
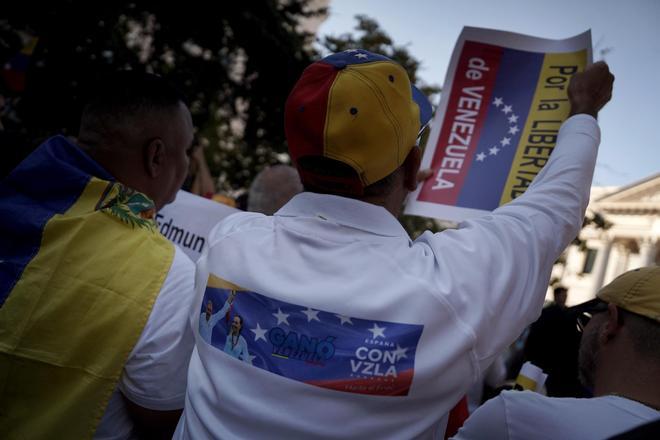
316	347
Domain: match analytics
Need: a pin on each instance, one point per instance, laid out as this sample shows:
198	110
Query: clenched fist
590	90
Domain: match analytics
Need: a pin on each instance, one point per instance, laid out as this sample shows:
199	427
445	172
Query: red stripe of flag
470	82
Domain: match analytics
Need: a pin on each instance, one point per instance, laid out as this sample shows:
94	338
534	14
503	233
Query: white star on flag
513	119
514	129
481	157
377	331
505	141
344	319
494	151
251	358
259	333
498	102
361	55
311	314
400	352
507	109
281	317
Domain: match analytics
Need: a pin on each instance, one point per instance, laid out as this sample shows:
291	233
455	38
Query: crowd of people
314	314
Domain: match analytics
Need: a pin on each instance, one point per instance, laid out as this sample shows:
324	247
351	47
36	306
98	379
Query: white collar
346	212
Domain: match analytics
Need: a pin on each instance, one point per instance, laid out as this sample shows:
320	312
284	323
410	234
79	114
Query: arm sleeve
487	422
218	316
155	373
494	270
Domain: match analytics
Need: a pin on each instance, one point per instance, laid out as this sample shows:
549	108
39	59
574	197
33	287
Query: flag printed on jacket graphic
312	346
499	120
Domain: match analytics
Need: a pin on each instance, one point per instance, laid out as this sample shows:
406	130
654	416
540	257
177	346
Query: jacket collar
346	212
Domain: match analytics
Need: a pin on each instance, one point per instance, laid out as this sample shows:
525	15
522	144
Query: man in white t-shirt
619	361
107	353
208	320
137	113
355	329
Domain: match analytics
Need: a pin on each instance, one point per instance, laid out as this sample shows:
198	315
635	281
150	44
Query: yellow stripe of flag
549	108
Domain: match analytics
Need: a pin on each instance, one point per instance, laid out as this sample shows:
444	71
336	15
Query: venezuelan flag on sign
504	111
81	263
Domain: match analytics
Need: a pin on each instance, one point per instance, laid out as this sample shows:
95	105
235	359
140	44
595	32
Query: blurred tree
371	37
235	63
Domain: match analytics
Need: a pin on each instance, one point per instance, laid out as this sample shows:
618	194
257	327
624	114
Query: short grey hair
273	188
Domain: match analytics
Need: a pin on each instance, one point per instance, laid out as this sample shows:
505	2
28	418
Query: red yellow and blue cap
358	108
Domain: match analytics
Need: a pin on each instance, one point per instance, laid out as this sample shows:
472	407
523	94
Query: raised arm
496	268
223	311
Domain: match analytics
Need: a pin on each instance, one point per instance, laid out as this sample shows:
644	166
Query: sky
630	123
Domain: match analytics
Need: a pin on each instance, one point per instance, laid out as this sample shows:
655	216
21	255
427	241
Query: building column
601	265
647	251
624	257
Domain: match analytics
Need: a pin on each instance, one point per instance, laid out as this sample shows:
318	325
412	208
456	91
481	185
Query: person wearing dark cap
552	345
619	362
357	330
94	301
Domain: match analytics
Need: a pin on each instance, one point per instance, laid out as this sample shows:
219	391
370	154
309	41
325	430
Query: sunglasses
588	310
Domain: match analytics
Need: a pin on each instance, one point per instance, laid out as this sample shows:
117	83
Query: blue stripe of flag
258	311
516	82
47	182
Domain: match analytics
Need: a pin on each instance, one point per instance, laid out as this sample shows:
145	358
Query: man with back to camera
619	362
357	330
94	326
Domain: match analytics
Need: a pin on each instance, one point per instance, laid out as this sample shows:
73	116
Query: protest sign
188	220
503	101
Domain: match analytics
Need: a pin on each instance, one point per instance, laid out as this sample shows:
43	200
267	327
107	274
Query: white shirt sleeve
222	312
487	422
494	270
155	373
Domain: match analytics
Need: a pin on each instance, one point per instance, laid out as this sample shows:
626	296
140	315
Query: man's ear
154	157
411	168
612	326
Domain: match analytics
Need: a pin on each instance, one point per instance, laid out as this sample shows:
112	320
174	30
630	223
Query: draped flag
504	99
81	264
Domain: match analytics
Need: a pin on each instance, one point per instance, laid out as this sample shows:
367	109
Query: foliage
594	220
370	36
235	63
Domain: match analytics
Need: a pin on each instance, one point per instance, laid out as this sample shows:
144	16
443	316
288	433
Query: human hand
422	175
590	90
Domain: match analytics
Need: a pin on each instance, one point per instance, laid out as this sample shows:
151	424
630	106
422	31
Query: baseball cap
636	291
358	108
